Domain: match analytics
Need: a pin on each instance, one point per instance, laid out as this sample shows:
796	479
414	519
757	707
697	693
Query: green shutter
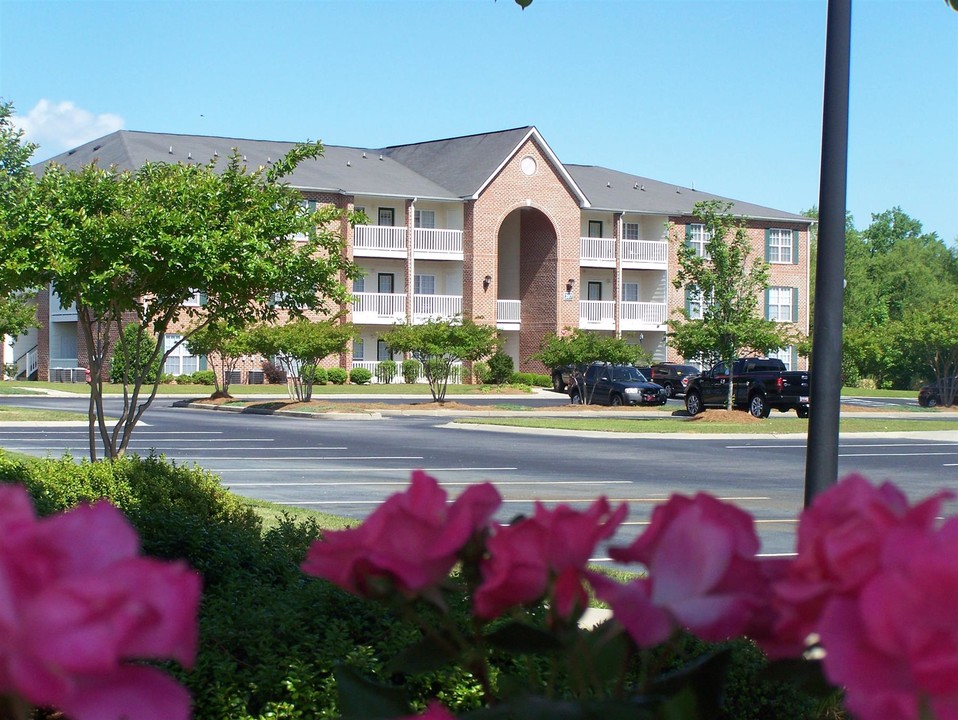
688	302
768	297
795	304
795	238
202	362
794	364
768	244
688	234
203	299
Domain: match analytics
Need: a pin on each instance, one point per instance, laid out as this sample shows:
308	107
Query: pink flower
77	602
703	573
409	543
894	644
553	546
840	541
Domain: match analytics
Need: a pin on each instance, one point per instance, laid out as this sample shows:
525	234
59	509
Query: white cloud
56	127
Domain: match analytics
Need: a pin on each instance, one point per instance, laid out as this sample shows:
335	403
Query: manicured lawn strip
272	515
8	389
18	414
862	392
240	390
676	425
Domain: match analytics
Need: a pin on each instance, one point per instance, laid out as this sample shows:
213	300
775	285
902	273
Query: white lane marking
903	454
841	445
304	457
505	501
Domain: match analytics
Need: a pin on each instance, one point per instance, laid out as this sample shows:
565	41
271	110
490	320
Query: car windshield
627	374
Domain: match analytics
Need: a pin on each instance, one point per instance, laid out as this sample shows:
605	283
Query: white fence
380	304
430	306
455	375
643	313
597	249
379	238
437	242
632	252
597	311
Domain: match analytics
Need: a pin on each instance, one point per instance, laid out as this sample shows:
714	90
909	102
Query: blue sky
725	95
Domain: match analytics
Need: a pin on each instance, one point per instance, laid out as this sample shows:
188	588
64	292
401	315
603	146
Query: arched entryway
528	271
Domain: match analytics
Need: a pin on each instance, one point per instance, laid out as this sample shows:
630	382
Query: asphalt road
347	467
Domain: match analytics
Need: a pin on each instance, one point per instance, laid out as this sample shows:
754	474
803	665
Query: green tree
437	344
729	284
225	345
931	335
17	314
575	348
140	246
300	347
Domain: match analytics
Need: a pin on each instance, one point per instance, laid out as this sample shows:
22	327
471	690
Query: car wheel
615	401
575	398
693	403
758	407
932	402
802	411
669	390
557	383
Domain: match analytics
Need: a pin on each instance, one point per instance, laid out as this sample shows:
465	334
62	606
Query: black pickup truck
760	384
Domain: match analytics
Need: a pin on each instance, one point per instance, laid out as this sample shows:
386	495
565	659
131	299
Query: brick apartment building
492	226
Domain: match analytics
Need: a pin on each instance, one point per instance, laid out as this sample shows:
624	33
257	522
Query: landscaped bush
531	379
360	376
480	372
319	375
273	373
410	371
501	367
386	371
337	376
131	356
203	377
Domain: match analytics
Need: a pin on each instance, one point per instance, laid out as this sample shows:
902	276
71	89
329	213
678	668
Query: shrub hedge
270	637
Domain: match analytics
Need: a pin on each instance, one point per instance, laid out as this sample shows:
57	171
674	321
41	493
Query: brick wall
780	275
549	248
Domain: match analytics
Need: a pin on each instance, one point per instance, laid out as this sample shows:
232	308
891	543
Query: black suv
674	377
930	395
605	384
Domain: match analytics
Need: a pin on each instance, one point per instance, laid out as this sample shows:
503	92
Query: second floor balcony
390	241
600	315
390	308
635	254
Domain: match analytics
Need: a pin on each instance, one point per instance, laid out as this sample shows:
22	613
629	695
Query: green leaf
362	699
696	690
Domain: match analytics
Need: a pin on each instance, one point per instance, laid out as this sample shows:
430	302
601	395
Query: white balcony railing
508	311
432	306
601	251
455	372
382	305
643	313
428	241
379	239
597	250
645	252
596	312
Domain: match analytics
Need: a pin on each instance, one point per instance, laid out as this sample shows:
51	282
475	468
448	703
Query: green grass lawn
682	425
15	414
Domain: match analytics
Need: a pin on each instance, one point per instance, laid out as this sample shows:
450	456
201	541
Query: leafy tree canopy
575	346
140	246
437	344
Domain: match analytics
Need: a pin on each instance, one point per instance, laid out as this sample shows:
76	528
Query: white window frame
779	246
785	355
383	213
779	304
630	231
425	219
699	238
359	349
630	292
179	361
429	281
359	284
696	304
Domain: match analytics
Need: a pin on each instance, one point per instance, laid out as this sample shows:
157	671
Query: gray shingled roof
613	190
449	169
462	164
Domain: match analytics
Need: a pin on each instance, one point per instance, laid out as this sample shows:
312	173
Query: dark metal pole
821	462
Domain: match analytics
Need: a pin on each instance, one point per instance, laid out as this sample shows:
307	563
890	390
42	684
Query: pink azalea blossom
77	602
894	644
703	573
409	543
840	541
552	547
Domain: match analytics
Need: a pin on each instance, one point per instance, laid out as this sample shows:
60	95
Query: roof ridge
460	137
